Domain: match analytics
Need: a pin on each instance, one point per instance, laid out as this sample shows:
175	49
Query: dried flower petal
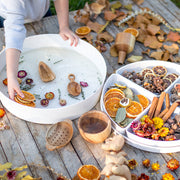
155	166
83	84
146	163
132	163
168	176
158	122
163	131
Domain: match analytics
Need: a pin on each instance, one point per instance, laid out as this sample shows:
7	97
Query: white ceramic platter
84	61
131	138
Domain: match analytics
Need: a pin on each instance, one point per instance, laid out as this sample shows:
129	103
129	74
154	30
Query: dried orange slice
134	109
30	103
84	30
114	90
149	76
112	106
27	96
133	31
160	71
113	94
146	70
88	172
143	101
172	77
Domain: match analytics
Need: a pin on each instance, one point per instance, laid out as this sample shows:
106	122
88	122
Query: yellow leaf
128	7
20	175
5	166
28	177
21	168
116	5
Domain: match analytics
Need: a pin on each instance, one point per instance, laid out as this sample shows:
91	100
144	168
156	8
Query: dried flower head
163	131
168	176
146	163
11	175
155	166
158	122
173	164
143	177
132	163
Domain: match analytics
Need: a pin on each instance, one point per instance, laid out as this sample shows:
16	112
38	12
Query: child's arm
12	60
62	10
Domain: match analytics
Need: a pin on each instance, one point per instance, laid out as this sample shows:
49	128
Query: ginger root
114	143
116	159
113	177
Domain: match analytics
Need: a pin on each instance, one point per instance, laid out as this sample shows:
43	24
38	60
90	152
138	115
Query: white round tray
84	61
131	138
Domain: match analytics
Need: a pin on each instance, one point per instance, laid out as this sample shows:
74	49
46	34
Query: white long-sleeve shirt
16	13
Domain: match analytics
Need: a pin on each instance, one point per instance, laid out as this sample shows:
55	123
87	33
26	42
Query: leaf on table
153	29
130	21
128	7
113	51
116	5
82	18
21	168
20	175
120	115
147	52
165	56
96	27
109	15
157	55
161	38
173	49
134	58
152	42
142	19
177	59
138	2
173	36
105	36
5	166
96	8
121	17
142	36
104	3
87	38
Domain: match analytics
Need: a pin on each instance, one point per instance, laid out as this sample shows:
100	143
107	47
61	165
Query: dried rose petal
62	102
44	102
22	74
83	84
11	175
29	81
135	125
146	163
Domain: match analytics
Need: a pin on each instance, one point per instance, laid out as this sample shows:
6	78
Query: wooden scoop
59	135
73	87
45	72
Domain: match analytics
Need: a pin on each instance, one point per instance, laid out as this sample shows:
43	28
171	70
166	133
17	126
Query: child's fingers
19	92
11	94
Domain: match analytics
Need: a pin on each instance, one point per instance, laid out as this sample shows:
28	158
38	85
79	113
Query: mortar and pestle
124	44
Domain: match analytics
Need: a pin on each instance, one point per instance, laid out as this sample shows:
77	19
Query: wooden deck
24	143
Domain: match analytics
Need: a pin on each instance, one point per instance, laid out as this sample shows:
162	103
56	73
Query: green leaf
21	168
120	115
128	7
128	93
136	98
5	166
20	175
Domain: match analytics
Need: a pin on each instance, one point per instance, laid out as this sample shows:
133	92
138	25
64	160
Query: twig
58	61
73	97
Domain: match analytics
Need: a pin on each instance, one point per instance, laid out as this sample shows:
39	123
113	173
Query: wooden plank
2	39
3	158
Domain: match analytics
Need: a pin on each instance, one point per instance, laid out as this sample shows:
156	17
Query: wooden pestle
124	44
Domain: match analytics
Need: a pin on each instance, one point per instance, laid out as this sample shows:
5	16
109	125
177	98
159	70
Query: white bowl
54	112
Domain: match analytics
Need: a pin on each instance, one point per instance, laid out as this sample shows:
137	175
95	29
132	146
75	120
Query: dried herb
58	61
73	97
59	91
21	62
120	115
37	96
82	93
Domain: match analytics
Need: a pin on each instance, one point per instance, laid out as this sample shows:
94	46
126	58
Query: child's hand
13	87
66	34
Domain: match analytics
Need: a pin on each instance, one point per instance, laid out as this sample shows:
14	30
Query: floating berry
49	95
62	102
83	84
29	81
2	112
44	102
22	74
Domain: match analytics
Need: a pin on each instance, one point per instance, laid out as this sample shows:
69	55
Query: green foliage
176	2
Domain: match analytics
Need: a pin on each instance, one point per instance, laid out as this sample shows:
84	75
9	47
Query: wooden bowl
94	126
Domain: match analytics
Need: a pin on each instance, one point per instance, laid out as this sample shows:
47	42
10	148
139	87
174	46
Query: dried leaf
96	27
161	38
128	93
157	55
87	38
155	20
116	5
134	58
96	8
153	29
21	168
113	51
147	52
138	2
109	15
82	18
5	166
136	98
142	19
152	42
104	3
177	59
166	56
120	115
119	18
173	36
142	36
173	49
128	7
105	37
20	175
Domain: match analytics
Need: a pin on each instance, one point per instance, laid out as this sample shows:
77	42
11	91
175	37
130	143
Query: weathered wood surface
24	143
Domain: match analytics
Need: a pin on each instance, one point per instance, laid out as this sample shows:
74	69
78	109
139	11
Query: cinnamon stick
167	101
153	107
160	103
163	112
170	111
